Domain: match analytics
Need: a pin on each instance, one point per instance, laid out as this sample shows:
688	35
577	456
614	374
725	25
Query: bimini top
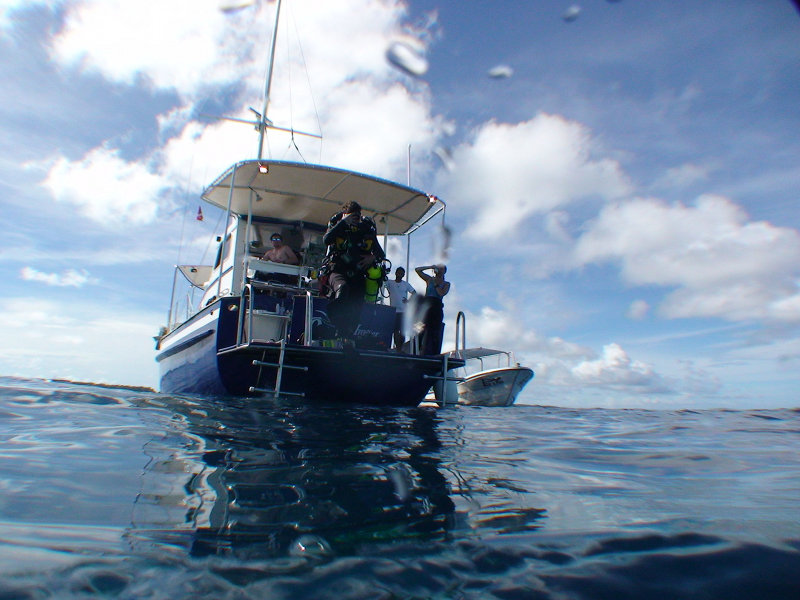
471	353
297	192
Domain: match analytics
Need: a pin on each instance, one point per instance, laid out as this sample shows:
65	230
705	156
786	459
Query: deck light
263	167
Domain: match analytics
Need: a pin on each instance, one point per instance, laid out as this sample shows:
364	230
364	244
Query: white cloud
722	264
106	188
556	225
494	328
500	72
682	176
190	45
101	252
781	348
560	364
368	118
173	44
69	278
786	309
373	127
614	369
638	310
511	171
80	341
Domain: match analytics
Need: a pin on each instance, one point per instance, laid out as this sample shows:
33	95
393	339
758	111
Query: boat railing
461	333
247	334
446	383
308	321
509	359
256	264
183	302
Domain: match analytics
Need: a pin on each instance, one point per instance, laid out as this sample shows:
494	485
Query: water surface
123	494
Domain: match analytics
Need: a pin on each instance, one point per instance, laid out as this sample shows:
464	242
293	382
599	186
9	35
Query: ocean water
113	493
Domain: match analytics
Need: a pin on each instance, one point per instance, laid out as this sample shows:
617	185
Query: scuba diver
353	251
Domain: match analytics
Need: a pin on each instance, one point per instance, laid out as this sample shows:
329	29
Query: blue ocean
122	493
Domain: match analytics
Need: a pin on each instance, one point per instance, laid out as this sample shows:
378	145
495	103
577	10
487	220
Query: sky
621	177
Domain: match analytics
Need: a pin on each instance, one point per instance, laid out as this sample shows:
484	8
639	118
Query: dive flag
199	216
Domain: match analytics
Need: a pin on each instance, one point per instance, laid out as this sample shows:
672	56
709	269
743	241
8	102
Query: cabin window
228	251
219	255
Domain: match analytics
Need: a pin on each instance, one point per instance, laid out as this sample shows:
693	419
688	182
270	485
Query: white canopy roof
470	353
197	275
296	192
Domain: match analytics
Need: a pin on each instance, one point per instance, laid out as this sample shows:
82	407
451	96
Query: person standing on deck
353	247
398	292
432	308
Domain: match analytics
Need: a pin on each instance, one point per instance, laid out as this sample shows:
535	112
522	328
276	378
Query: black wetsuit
347	246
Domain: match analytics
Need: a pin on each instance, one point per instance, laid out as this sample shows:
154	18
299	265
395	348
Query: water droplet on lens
409	57
232	6
446	157
501	72
571	13
311	546
401	479
446	234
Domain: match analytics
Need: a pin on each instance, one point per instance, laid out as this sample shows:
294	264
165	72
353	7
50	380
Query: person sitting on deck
280	252
283	254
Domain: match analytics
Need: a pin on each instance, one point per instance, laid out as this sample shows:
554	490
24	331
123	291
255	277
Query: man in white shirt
399	292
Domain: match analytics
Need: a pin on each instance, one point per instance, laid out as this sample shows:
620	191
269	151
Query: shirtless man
280	252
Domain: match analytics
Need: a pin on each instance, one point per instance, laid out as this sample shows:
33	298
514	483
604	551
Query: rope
308	81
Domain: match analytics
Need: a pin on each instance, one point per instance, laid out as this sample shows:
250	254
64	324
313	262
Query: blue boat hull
208	362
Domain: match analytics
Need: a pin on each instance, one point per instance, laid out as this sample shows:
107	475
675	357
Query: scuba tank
372	285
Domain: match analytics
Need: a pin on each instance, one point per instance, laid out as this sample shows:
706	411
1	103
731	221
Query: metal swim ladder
276	391
461	320
247	301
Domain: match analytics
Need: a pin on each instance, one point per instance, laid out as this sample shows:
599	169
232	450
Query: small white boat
491	377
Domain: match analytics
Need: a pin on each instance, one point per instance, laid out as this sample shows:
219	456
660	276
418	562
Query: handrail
309	318
172	298
461	319
246	305
245	300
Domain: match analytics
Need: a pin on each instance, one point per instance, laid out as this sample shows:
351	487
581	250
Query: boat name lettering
361	331
490	381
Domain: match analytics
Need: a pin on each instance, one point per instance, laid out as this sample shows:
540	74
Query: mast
263	121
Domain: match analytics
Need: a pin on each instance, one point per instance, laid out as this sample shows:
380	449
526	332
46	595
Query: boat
490	377
261	328
485	377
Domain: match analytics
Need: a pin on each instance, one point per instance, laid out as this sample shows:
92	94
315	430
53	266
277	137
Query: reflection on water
265	480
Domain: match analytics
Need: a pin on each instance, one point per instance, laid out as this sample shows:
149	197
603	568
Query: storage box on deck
374	331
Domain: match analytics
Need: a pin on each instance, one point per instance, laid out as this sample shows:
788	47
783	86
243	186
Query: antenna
263	123
408	167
